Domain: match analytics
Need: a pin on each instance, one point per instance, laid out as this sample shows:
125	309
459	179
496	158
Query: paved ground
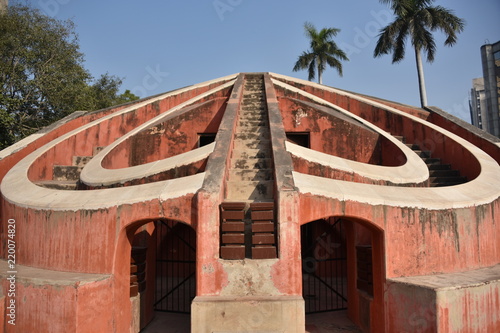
327	322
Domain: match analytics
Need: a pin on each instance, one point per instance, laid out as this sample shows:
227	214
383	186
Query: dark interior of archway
175	267
324	266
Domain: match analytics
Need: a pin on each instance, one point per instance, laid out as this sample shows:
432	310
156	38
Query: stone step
263	130
256	101
412	146
251	114
430	160
400	138
254	90
80	161
252	153
250	190
438	166
442	184
444	173
447	180
250	174
254	117
250	136
66	172
251	144
423	154
250	123
256	163
252	96
253	108
58	184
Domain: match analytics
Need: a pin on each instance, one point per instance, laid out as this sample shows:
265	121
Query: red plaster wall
441	147
331	135
474	309
170	138
63	308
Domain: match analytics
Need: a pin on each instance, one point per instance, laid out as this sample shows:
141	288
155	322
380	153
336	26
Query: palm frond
311	70
303	61
322	47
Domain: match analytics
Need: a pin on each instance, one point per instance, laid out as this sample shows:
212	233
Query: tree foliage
323	51
42	77
416	20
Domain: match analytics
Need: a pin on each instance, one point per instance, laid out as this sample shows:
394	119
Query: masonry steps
252	174
250	181
250	190
66	177
66	172
439	174
58	184
251	144
264	152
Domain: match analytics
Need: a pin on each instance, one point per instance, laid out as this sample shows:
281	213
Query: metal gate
324	266
175	267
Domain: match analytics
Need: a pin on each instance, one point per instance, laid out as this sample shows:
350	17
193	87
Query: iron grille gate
175	267
324	266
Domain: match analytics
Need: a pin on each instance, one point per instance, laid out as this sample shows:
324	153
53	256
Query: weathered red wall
65	308
169	138
331	135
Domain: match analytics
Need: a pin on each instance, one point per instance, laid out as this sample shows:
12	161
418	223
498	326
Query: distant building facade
477	103
489	118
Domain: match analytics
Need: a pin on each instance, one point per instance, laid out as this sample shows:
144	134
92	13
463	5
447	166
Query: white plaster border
483	189
17	189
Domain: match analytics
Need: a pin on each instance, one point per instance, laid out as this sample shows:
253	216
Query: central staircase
248	228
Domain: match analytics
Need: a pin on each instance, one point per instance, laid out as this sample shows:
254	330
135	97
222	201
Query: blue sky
159	45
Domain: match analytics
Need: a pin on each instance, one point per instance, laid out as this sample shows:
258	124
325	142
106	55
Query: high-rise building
490	118
477	103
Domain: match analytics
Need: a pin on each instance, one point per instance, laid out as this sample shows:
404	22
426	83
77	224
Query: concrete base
272	314
135	324
456	302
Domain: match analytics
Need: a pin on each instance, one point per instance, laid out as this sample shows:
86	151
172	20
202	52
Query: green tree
104	93
41	72
416	20
42	77
323	51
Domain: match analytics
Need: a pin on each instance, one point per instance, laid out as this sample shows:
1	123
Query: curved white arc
458	196
414	164
404	174
482	190
102	154
95	175
484	159
18	189
24	193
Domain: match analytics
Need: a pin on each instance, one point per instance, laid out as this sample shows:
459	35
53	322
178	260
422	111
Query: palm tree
324	51
416	19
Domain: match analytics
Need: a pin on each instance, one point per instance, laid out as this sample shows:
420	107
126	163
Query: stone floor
326	322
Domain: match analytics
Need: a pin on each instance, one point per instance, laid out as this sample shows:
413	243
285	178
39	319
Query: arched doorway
343	274
162	276
324	266
175	266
